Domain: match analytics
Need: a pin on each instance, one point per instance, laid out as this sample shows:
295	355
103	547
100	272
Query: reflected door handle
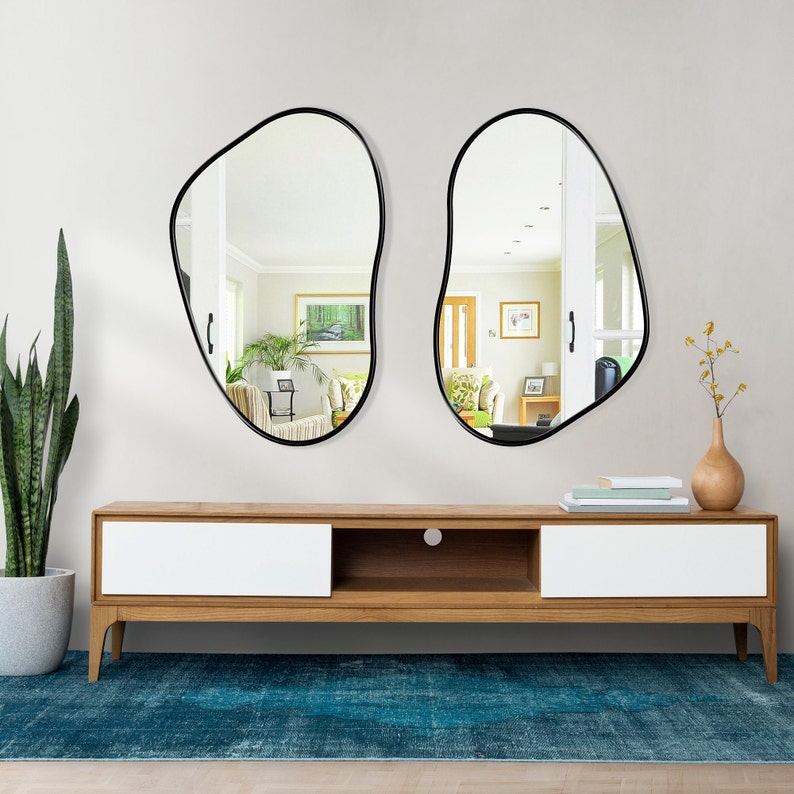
210	346
572	321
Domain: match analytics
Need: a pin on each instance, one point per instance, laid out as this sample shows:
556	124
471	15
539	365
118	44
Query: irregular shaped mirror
542	311
276	241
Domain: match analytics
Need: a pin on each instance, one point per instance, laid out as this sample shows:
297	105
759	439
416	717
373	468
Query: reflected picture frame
285	384
534	386
336	322
519	319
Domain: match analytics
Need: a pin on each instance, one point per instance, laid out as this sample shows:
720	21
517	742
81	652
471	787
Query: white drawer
212	559
636	560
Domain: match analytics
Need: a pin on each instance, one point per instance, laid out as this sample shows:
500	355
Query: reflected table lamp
550	370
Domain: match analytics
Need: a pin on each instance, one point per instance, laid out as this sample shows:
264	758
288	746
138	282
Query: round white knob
433	537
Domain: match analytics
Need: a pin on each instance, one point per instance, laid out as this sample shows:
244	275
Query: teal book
596	492
675	504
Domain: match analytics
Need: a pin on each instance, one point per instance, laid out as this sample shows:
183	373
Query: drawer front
215	559
646	560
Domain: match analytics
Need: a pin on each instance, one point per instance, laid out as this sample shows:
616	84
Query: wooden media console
225	562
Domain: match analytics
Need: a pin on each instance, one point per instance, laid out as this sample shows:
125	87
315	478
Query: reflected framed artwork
520	320
534	386
337	323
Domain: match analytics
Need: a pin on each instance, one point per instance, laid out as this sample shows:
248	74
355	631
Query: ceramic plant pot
718	479
35	621
279	374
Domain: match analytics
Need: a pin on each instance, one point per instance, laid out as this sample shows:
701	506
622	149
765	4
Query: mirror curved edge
353	283
511	232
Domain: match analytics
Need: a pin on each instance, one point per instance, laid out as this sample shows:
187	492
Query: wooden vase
718	479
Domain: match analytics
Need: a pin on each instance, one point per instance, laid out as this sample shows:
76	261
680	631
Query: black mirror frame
373	280
448	264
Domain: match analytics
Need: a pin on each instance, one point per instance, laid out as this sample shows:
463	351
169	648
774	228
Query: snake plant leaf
68	428
3	356
61	374
24	455
11	387
11	500
70	417
40	410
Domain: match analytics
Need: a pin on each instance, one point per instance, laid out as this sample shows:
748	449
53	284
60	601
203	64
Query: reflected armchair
251	404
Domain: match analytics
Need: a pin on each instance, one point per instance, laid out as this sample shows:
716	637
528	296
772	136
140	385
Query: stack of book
626	495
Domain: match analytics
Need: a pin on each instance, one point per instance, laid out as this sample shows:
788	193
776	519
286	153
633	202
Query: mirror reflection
276	242
542	310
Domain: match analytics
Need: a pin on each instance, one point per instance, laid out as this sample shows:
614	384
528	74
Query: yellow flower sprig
708	380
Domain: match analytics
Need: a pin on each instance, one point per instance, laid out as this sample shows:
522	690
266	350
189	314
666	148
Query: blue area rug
577	707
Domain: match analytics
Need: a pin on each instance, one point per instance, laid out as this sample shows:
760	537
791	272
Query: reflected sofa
345	388
489	399
519	434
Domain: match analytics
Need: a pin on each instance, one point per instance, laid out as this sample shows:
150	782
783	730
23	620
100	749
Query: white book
653	481
579	501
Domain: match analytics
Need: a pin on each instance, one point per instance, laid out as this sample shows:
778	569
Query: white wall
108	107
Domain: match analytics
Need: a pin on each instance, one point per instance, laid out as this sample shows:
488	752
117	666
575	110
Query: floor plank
387	777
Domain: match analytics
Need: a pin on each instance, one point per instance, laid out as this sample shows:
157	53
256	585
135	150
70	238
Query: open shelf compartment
465	561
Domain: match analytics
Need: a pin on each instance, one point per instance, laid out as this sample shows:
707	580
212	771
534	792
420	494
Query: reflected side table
276	412
529	408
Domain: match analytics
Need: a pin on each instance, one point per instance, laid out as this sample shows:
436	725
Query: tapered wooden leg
101	620
740	635
117	638
765	620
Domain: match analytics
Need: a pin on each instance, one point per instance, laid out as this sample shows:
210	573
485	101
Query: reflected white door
578	267
208	262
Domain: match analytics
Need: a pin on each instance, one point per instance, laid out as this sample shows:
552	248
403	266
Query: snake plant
36	432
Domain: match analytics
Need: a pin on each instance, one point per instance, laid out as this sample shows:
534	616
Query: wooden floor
358	777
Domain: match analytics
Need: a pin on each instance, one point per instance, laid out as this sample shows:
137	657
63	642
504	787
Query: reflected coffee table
467	417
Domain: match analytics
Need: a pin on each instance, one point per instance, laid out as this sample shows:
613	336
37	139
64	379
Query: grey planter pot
35	621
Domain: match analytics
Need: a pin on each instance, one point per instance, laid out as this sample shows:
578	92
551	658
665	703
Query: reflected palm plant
279	353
